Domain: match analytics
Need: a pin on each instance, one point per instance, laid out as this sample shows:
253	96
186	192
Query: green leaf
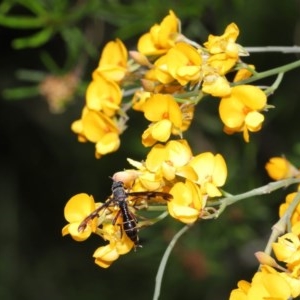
5	6
49	63
21	22
20	93
35	40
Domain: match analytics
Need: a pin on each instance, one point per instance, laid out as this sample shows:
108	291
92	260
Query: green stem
280	227
283	49
164	260
271	72
275	85
266	189
156	208
152	221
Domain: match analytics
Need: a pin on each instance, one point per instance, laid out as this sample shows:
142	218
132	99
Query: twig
164	260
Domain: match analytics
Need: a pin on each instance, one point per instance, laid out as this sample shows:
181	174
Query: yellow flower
212	172
170	160
295	218
240	111
166	116
113	61
110	142
279	168
224	51
161	37
103	95
182	62
106	255
216	85
224	43
161	72
139	99
287	249
221	63
76	210
187	202
187	110
266	284
119	244
244	73
97	128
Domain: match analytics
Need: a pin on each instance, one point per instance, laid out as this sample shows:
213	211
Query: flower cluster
80	207
100	121
169	169
274	280
166	78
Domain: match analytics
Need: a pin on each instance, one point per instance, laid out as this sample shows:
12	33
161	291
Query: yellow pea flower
222	63
293	282
148	182
113	61
287	249
182	62
212	172
165	114
119	244
171	160
295	218
110	142
279	168
187	202
156	80
225	43
216	85
106	255
97	128
103	95
76	210
240	111
161	72
187	110
161	37
244	73
140	97
266	284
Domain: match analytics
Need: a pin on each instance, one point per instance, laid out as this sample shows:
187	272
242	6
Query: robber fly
119	198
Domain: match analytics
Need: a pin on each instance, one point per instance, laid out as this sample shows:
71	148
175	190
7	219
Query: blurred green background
42	165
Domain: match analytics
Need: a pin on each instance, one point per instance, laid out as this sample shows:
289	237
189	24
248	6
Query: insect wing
150	197
95	213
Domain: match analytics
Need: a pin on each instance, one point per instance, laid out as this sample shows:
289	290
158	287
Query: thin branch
280	227
164	260
265	189
289	49
271	72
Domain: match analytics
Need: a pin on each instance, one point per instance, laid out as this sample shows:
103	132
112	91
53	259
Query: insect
119	198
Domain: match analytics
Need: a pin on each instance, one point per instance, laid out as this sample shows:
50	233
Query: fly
119	198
